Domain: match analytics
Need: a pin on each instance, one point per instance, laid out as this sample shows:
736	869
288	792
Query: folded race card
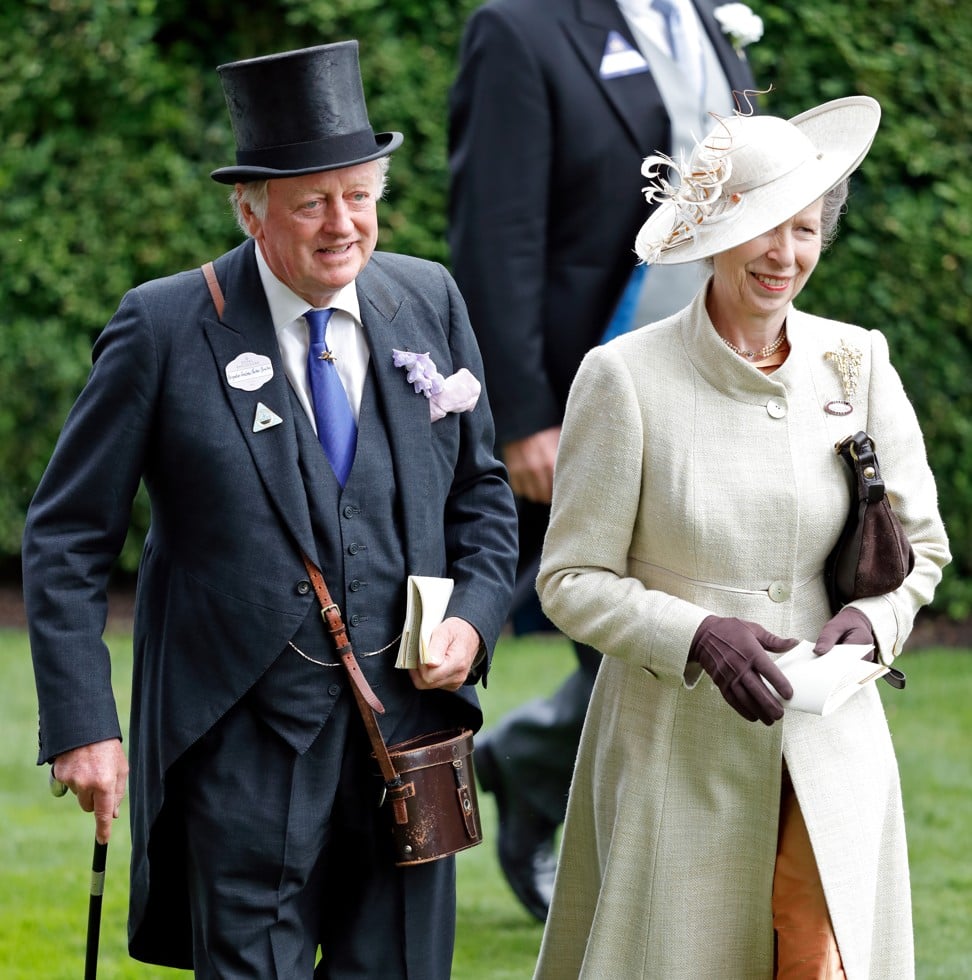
822	684
426	601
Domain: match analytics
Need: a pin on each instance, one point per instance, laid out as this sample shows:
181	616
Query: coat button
303	587
776	408
355	620
355	585
354	548
334	690
350	511
779	591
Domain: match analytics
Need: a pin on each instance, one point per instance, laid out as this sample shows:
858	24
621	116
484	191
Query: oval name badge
249	371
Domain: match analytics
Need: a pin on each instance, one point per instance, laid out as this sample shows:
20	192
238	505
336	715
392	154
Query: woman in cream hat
711	833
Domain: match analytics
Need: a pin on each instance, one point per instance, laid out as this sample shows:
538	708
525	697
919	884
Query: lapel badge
249	371
265	418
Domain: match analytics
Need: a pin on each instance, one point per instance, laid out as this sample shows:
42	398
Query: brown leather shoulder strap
219	301
335	625
364	697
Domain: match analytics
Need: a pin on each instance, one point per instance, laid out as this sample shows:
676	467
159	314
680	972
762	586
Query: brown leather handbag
430	784
873	555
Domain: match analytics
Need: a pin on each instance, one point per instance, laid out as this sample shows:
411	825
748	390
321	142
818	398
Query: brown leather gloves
850	625
733	653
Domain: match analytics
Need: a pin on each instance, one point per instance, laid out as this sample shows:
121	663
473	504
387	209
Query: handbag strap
860	455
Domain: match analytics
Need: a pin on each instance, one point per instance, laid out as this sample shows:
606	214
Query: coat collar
807	368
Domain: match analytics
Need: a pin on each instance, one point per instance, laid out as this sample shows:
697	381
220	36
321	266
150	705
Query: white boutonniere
457	393
742	26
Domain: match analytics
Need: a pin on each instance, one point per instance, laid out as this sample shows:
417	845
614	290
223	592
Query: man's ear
249	216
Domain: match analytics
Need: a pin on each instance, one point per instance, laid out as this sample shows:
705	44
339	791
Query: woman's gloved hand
733	653
850	625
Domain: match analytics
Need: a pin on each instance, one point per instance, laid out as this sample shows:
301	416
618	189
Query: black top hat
299	112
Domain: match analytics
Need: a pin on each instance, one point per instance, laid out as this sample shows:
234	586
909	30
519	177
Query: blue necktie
336	428
673	28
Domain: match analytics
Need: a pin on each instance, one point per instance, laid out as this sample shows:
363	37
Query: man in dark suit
257	836
555	106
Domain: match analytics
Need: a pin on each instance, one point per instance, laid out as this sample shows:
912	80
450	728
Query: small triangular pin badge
265	418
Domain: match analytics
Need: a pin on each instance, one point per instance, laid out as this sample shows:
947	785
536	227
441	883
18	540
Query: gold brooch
848	361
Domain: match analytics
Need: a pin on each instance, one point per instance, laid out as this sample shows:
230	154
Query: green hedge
113	118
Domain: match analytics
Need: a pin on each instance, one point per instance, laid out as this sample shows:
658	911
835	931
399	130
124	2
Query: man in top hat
277	426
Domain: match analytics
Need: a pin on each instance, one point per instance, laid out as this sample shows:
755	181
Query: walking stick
98	861
94	909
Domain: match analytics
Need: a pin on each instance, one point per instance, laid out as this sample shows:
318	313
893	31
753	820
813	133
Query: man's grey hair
255	194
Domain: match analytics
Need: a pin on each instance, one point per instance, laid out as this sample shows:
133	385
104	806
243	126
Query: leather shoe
525	841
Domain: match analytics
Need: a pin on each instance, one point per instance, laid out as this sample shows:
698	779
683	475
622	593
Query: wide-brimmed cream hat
750	174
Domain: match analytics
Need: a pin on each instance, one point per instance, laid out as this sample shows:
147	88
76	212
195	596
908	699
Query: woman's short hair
255	194
834	205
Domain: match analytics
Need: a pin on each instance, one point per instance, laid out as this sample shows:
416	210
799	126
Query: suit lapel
389	324
246	329
634	98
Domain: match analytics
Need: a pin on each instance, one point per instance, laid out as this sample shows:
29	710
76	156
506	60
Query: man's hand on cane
97	775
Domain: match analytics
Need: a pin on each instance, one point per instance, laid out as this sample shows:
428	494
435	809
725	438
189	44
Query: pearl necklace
763	352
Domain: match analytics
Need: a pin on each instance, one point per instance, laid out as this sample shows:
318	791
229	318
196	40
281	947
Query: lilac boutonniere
457	393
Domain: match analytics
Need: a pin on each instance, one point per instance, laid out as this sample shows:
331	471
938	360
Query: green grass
45	853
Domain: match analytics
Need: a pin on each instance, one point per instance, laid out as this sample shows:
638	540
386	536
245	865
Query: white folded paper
425	605
823	683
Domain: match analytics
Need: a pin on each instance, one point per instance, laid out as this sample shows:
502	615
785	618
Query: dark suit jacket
546	194
221	584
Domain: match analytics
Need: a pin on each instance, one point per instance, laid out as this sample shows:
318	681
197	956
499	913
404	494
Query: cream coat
688	483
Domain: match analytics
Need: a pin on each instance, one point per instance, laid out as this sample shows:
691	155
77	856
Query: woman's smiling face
761	277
